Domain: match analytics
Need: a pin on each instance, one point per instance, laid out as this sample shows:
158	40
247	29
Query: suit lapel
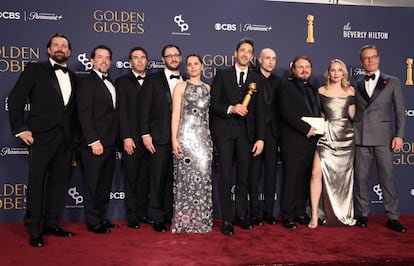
104	88
167	90
54	81
361	88
234	85
379	87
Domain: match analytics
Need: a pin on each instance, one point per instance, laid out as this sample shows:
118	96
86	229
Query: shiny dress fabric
193	205
336	151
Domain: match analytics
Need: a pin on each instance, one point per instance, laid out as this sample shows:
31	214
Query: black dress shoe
302	219
362	221
36	241
243	223
159	227
108	224
57	232
257	221
227	229
396	226
99	229
269	219
145	220
289	224
134	224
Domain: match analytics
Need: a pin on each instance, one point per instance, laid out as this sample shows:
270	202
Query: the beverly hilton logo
310	38
409	80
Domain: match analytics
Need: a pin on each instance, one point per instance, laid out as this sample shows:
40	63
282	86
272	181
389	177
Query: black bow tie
140	77
57	67
367	77
174	76
105	77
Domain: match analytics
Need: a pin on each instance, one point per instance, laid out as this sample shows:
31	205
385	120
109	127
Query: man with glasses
378	97
155	126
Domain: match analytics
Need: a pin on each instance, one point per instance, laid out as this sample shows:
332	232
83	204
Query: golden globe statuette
310	38
249	93
409	80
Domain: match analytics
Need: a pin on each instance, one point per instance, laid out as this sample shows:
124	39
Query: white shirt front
64	82
372	83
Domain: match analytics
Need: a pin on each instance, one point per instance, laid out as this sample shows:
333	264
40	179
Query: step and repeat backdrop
211	29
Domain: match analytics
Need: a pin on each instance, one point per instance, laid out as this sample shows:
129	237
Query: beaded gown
193	205
336	151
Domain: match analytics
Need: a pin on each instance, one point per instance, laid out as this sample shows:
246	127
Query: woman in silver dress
192	149
333	169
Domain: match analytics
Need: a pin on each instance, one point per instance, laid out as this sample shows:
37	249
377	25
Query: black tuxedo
54	128
99	121
271	86
135	166
296	148
234	136
155	113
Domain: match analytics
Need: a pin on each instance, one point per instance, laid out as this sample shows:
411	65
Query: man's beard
59	59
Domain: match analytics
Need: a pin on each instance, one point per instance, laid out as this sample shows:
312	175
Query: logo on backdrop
10	15
310	38
15	58
125	22
212	62
377	189
13	151
85	62
256	27
409	80
406	155
225	27
6	105
155	64
241	27
182	25
13	196
34	15
349	33
74	194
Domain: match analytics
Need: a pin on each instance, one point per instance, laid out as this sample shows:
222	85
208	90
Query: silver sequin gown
336	151
193	205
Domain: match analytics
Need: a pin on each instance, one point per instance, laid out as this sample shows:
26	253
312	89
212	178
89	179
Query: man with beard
155	126
297	99
98	116
50	132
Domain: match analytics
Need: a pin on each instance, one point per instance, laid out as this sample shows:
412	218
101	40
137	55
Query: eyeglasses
369	58
169	56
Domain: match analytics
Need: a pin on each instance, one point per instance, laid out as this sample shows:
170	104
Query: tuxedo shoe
362	221
36	241
303	219
289	224
57	232
257	221
98	229
243	223
134	224
145	220
108	224
159	227
269	219
227	229
396	226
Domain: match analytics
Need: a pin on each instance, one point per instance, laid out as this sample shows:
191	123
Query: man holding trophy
238	132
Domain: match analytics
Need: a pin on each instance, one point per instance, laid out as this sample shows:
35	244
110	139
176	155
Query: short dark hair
101	46
194	55
299	57
137	48
368	46
245	40
49	43
170	46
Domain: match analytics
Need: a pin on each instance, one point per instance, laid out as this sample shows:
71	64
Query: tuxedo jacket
155	108
270	96
97	115
129	93
373	122
48	115
225	92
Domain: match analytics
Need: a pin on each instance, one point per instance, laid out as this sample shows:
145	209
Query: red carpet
266	245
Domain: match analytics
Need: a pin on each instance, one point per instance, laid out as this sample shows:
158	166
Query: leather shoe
243	223
57	232
227	229
108	224
302	219
257	221
145	220
269	219
362	221
289	224
36	241
99	229
134	224
160	227
396	226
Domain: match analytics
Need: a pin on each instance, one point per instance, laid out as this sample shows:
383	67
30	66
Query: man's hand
129	146
396	144
26	137
239	109
258	148
147	140
97	148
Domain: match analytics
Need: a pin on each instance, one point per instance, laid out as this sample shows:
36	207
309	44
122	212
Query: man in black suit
238	132
134	155
297	99
50	132
272	83
98	115
155	126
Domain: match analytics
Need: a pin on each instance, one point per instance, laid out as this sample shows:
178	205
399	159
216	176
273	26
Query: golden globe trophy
310	38
249	93
409	80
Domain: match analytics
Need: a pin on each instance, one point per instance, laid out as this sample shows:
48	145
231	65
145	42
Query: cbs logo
225	27
119	195
9	15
